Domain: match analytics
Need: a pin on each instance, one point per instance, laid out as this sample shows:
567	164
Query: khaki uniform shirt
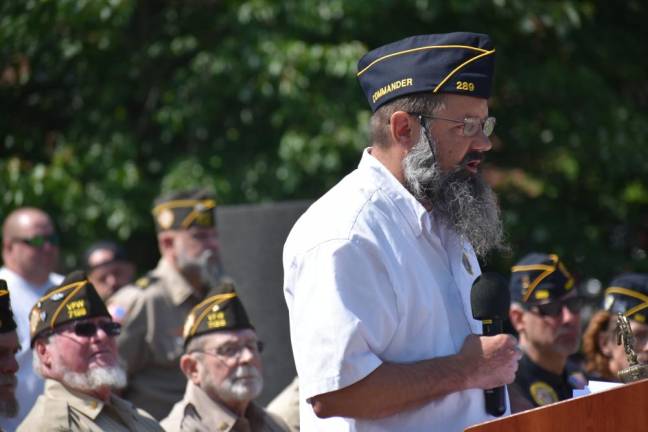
286	405
151	344
197	412
62	409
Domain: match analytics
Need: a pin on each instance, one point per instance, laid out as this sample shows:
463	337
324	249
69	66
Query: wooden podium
623	408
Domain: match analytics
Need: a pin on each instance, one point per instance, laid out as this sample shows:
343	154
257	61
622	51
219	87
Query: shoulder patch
542	393
145	281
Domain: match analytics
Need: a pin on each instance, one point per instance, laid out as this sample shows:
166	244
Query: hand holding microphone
495	354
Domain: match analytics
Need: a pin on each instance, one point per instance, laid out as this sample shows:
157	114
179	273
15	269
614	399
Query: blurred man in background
30	250
9	346
73	342
222	363
151	342
108	268
545	312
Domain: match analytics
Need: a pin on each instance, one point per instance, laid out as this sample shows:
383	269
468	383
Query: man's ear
44	353
516	315
189	367
403	131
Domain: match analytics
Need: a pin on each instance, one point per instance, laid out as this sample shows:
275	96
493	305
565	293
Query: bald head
29	244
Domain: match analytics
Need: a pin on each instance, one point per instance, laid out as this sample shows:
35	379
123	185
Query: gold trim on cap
424	48
75	287
455	70
4	293
547	270
217	299
208	203
630	293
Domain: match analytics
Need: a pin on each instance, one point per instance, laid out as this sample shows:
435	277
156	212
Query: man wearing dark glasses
545	312
30	249
74	350
222	363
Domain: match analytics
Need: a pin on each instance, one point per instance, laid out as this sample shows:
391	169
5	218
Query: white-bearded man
222	363
73	343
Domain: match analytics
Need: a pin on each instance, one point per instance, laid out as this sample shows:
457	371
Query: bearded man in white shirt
378	271
30	250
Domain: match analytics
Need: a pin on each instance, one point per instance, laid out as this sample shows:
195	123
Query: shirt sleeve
343	315
131	343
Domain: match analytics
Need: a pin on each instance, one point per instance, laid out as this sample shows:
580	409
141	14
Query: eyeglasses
554	309
89	329
39	240
231	351
471	125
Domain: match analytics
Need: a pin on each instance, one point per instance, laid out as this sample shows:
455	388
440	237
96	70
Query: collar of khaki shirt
176	284
214	413
86	404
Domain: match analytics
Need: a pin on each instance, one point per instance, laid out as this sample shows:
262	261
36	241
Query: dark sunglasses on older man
89	329
554	308
38	241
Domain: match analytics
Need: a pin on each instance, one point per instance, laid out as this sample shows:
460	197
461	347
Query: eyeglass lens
40	240
89	329
574	305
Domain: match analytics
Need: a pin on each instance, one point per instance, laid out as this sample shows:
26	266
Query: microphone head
490	297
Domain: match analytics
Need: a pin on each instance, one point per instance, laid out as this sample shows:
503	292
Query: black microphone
490	301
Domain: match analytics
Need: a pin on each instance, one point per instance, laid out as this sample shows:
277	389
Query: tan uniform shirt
62	409
286	405
197	412
151	344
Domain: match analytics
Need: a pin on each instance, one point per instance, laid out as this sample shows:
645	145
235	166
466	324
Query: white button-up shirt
23	296
371	276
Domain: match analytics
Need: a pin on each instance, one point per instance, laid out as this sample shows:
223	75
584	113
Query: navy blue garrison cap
539	277
460	63
628	294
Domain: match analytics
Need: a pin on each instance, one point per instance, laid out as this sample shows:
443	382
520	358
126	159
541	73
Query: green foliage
107	103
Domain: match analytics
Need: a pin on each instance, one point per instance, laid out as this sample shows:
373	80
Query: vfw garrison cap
75	299
7	322
183	210
460	63
628	294
537	278
218	312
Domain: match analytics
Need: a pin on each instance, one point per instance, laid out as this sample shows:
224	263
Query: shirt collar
86	404
179	288
412	211
210	411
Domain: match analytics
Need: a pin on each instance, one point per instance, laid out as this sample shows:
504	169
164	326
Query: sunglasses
39	241
89	329
554	309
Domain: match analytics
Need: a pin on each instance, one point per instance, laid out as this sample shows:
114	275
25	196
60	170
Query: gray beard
462	201
94	378
211	272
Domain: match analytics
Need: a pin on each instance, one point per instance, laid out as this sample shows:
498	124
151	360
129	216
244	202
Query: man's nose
481	142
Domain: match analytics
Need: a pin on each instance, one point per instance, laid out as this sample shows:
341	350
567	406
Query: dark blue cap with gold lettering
628	294
538	278
460	63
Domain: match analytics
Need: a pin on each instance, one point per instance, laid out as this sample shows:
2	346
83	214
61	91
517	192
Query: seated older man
222	364
9	346
73	343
